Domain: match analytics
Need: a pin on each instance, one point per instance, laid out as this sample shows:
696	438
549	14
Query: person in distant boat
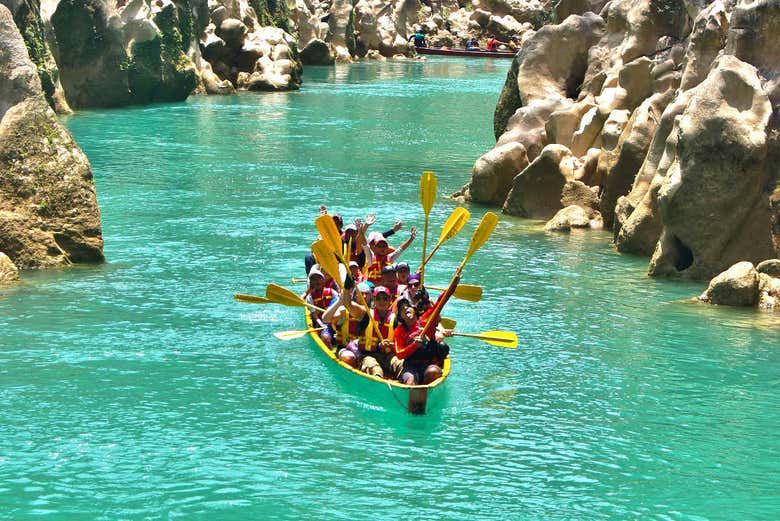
473	44
514	43
492	43
419	39
419	342
321	296
378	255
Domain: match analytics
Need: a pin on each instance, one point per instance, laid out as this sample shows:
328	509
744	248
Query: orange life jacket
385	327
374	272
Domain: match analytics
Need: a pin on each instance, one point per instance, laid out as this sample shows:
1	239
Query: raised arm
397	253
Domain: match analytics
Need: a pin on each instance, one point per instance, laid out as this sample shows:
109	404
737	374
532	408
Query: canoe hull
391	394
439	51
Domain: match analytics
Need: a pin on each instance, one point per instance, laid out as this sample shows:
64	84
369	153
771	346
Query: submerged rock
574	216
48	208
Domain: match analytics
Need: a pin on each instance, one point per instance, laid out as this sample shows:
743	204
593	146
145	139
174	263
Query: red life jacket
491	44
322	298
374	273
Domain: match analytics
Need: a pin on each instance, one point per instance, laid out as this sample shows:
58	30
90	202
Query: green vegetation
272	12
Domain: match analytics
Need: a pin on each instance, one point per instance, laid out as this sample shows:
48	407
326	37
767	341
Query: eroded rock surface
670	111
48	207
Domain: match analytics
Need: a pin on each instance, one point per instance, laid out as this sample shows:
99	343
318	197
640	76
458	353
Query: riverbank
142	379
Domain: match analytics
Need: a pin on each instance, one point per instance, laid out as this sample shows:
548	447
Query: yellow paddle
279	295
299	280
289	335
251	299
497	338
464	292
480	237
447	323
325	248
427	197
454	224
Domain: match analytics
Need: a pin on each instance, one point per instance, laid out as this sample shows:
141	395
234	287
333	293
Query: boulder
491	178
317	52
737	286
48	208
768	292
769	267
573	216
578	193
712	200
562	124
8	270
536	191
233	32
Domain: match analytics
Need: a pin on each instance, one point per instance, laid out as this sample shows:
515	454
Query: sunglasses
414	284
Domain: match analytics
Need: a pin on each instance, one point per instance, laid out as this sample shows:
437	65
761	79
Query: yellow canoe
414	398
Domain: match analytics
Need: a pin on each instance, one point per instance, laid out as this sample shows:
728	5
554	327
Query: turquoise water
140	390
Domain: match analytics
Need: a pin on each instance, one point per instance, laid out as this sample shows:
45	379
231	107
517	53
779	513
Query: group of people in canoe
383	322
492	44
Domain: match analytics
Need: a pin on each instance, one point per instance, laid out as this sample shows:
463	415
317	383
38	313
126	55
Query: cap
381	289
414	277
364	287
315	270
354	263
374	237
388	269
350	227
403	265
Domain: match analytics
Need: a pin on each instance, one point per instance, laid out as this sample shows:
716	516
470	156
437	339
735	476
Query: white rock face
669	111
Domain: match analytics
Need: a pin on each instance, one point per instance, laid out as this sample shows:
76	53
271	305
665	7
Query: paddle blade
505	339
463	292
290	335
500	338
284	296
481	235
468	292
447	323
329	232
454	224
428	184
324	256
251	299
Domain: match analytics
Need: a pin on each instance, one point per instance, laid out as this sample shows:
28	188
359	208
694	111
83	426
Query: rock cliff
48	207
668	110
106	53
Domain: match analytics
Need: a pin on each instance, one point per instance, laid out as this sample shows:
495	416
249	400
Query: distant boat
444	51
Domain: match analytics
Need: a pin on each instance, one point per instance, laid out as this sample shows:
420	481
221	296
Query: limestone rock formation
737	286
8	270
48	207
671	113
27	16
536	191
574	216
494	172
718	170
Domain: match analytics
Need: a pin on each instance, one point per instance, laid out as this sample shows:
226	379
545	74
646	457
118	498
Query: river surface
139	389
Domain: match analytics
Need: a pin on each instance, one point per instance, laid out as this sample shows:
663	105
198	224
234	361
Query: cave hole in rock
683	255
